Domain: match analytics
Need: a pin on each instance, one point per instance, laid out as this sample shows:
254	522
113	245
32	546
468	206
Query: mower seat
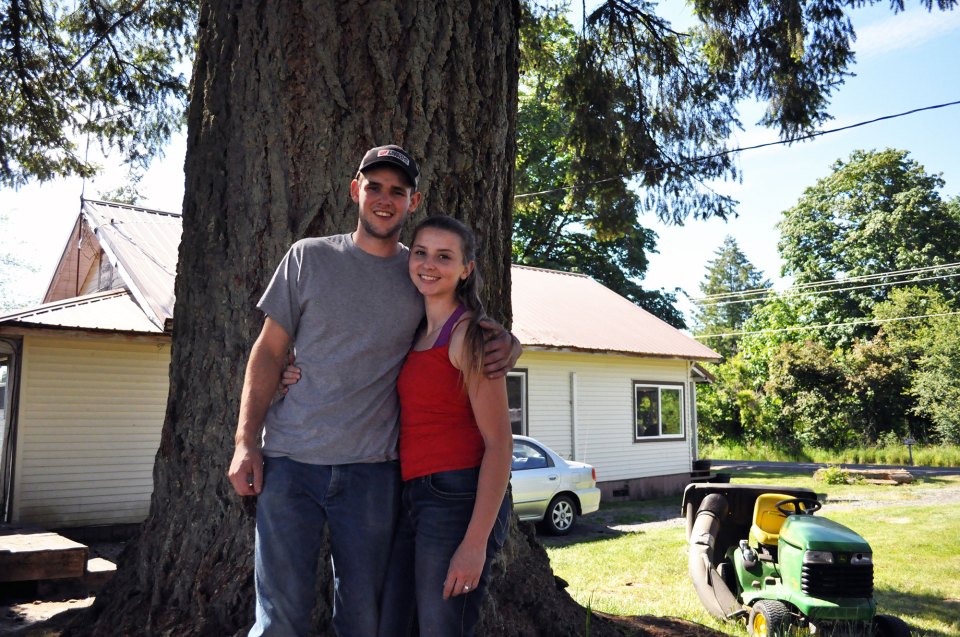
767	519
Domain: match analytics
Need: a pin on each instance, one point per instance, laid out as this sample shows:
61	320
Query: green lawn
916	552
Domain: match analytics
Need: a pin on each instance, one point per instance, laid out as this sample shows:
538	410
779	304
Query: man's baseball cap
394	156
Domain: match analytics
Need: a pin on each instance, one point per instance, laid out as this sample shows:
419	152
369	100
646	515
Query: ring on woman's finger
466	587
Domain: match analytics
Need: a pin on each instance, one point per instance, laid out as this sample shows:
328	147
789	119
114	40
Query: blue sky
904	62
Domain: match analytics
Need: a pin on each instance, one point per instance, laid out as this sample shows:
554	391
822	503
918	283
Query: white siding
605	411
91	411
548	398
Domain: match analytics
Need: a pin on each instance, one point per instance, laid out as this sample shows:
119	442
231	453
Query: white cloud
904	31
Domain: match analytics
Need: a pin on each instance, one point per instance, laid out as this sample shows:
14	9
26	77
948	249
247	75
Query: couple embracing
396	435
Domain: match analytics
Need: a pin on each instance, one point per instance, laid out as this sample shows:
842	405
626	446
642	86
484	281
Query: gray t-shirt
352	317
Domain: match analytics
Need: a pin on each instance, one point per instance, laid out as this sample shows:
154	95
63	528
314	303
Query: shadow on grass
935	480
583	533
609	522
927	607
749	473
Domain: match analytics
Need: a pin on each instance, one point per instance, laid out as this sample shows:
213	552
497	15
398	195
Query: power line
825	282
740	149
813	293
797	328
761	294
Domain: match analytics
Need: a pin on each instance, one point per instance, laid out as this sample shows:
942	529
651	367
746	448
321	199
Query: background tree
807	388
927	353
722	310
878	382
553	230
729	408
837	359
737	407
936	382
878	212
790	387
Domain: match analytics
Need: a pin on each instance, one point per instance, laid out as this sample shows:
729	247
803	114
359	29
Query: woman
455	448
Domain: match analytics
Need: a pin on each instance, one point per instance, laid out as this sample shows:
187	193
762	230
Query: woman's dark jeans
434	513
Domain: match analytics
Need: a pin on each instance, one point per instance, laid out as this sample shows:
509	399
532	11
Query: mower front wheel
768	618
890	626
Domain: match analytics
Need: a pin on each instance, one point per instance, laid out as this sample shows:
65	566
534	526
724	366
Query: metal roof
143	245
114	311
561	310
556	310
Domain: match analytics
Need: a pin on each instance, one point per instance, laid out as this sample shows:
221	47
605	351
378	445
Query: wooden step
99	571
34	554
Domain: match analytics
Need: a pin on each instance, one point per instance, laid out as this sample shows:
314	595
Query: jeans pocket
454	485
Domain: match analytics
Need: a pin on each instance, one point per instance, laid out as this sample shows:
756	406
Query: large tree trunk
287	96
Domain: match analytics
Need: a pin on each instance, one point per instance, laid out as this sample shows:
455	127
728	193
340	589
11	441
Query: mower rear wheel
768	618
890	626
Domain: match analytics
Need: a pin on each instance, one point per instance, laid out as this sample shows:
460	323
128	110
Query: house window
517	401
659	410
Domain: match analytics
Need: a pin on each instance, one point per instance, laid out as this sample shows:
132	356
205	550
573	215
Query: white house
87	374
600	380
605	382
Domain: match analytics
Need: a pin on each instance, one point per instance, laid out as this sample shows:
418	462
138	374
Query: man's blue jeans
358	502
434	514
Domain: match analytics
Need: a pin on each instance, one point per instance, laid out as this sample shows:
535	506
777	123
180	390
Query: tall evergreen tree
724	307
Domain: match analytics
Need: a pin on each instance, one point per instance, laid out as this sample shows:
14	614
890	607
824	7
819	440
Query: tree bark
287	96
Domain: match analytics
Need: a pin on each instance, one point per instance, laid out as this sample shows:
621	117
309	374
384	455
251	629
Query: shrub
832	475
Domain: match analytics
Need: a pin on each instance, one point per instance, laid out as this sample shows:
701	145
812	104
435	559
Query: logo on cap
388	152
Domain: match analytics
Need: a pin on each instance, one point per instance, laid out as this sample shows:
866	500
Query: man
347	305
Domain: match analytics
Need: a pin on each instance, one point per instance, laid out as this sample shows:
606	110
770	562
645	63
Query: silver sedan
550	490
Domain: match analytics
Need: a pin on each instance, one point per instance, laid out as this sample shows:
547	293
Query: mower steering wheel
809	506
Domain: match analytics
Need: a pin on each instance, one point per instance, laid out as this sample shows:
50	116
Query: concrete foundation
643	488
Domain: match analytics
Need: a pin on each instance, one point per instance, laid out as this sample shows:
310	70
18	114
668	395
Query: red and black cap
392	155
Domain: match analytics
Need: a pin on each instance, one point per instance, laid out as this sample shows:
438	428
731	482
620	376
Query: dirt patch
652	626
22	611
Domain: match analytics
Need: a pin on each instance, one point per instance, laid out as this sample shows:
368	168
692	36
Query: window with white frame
659	411
517	401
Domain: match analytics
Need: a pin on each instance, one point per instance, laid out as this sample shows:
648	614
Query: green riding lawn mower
758	552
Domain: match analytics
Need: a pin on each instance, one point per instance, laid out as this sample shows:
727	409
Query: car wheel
560	515
890	626
768	618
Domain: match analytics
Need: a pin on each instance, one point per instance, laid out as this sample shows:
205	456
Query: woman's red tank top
438	431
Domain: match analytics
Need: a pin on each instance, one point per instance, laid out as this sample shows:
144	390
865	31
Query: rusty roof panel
572	311
144	244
